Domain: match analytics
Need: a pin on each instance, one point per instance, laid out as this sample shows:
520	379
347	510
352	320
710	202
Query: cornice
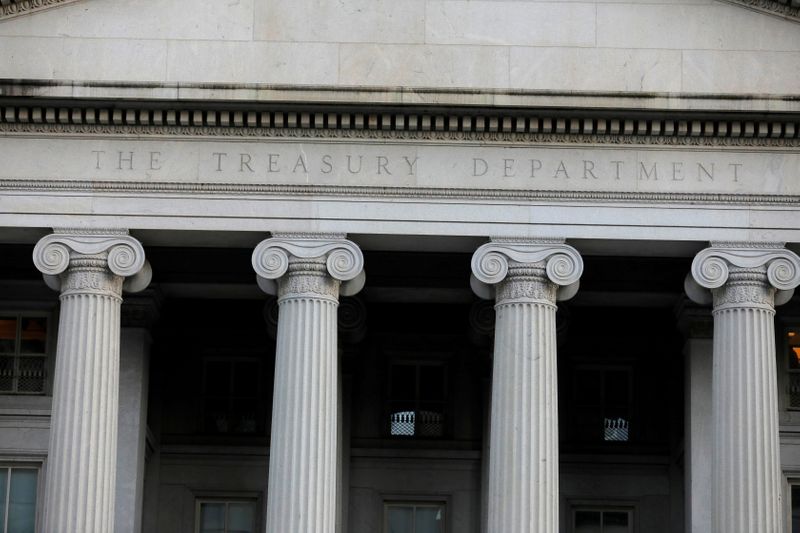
16	8
788	9
446	124
130	93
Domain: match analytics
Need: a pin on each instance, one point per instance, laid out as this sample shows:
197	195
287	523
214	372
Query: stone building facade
451	266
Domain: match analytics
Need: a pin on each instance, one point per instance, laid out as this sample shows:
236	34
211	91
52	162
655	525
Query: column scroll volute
490	264
343	258
124	255
711	268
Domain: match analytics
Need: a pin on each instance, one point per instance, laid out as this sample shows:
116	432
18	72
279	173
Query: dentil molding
445	124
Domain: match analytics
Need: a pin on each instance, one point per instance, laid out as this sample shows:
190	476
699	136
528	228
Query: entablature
412	170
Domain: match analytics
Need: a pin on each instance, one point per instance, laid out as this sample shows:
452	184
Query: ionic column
308	274
90	270
525	279
746	283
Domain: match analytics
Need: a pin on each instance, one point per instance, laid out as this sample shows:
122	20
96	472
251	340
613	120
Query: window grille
226	516
417	423
18	499
602	520
23	354
414	517
616	429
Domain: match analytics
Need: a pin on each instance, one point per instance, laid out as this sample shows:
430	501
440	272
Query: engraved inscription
419	165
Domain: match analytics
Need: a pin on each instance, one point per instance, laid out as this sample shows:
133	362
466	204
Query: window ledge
25	405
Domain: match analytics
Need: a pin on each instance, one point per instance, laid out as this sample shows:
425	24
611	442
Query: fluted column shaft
523	469
746	471
524	461
82	458
302	491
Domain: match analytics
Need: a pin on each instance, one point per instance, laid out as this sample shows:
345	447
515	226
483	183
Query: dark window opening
231	395
417	395
23	354
602	404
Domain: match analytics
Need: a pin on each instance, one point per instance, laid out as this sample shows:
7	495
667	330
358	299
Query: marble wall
676	46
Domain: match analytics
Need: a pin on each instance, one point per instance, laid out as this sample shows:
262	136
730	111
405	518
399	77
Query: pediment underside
788	9
16	8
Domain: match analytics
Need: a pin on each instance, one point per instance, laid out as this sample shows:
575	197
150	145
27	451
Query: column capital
768	263
113	250
338	257
561	264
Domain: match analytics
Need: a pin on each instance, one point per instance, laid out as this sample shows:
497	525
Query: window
795	502
417	393
219	516
602	520
409	517
23	353
793	365
231	397
18	499
602	404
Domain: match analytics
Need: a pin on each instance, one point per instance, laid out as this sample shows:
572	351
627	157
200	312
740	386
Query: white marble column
90	270
525	278
308	273
746	282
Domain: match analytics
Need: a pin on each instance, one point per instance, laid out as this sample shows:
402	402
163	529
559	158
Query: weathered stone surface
504	23
76	59
367	21
486	44
593	69
424	65
715	26
252	62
